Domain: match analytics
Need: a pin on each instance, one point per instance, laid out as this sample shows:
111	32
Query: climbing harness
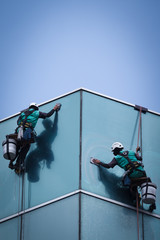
131	164
23	124
130	167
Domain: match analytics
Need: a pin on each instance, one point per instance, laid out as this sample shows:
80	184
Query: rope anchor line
139	148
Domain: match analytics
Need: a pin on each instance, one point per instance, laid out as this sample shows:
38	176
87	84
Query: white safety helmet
116	145
33	104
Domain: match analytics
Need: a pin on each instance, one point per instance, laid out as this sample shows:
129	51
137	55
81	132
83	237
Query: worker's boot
11	166
152	207
19	168
17	171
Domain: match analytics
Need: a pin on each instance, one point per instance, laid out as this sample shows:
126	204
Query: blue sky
49	48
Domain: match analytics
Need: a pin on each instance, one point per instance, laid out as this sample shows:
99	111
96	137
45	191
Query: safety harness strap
134	165
131	165
26	125
24	122
27	113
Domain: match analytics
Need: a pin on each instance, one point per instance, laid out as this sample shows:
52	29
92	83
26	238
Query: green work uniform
123	162
32	118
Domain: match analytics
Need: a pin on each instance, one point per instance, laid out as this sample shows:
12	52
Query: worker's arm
137	154
112	164
49	114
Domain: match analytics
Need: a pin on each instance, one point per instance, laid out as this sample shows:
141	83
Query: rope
18	207
137	215
139	128
139	140
137	204
22	202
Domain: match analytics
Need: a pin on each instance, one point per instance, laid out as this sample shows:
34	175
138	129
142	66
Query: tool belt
26	125
15	136
133	165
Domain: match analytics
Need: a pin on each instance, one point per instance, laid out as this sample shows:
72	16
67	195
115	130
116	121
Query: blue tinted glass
10	229
52	163
55	221
10	183
106	121
52	170
102	220
151	228
151	151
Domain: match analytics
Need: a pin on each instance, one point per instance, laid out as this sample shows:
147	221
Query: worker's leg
22	154
152	207
11	165
135	195
133	191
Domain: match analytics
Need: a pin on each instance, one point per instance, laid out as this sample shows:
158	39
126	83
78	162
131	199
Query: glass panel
52	164
10	183
106	121
151	151
151	228
10	229
56	221
101	219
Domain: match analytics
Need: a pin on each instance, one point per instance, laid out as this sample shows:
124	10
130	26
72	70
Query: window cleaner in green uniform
25	130
131	162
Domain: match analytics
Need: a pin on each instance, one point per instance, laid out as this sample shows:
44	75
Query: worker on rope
26	134
131	162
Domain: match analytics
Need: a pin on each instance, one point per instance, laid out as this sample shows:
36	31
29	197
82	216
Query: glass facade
58	164
54	221
106	121
107	221
10	229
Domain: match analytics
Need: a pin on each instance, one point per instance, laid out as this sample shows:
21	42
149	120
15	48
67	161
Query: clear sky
51	47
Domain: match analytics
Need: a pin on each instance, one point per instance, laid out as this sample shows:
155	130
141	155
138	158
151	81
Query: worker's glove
94	161
57	107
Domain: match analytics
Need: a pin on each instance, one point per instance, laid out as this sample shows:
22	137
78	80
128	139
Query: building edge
77	90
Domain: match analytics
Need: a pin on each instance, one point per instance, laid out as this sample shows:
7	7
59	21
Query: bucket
9	149
148	192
